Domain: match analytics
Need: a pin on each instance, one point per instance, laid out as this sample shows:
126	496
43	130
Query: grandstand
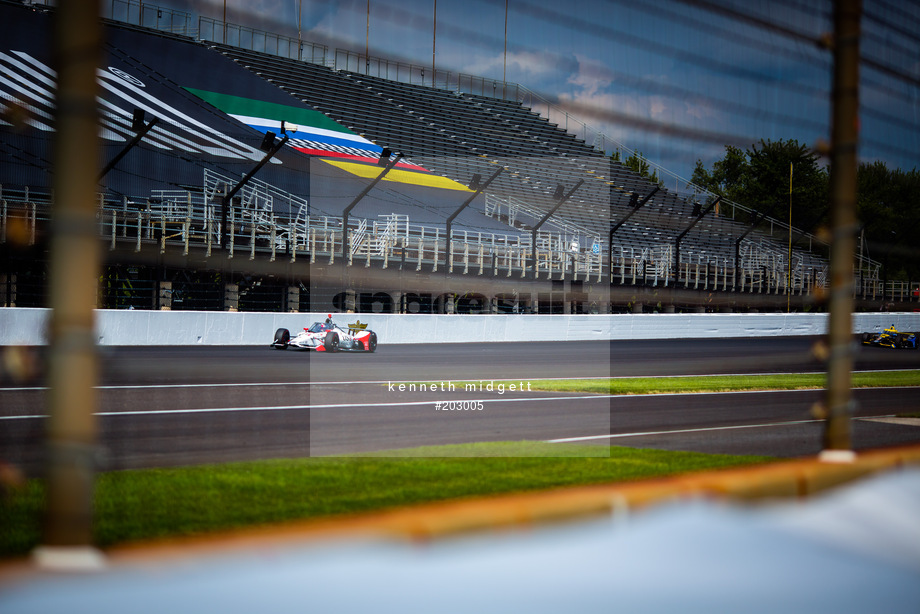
561	227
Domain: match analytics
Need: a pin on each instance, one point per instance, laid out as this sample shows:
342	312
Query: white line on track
381	382
560	397
212	410
681	431
419	380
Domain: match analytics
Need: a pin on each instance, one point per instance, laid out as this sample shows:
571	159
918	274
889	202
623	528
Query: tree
758	178
728	177
888	207
888	201
638	165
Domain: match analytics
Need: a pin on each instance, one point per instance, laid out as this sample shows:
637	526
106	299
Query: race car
328	337
891	338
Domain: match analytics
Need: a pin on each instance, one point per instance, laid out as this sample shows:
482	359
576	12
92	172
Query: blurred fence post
74	278
844	225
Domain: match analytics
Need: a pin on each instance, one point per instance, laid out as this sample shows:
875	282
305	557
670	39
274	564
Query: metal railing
253	39
266	220
140	13
515	208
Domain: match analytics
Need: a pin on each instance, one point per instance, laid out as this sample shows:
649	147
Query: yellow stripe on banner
399	176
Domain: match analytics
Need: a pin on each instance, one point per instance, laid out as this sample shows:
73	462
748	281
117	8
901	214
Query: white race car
328	337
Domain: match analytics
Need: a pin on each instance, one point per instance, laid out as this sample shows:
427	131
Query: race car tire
907	342
331	342
372	342
282	338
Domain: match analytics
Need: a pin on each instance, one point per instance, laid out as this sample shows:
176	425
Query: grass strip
159	503
723	383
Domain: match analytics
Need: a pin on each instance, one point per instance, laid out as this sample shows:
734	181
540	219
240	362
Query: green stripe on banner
236	105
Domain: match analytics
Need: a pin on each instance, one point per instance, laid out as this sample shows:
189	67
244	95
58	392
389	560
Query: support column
164	295
350	301
231	297
8	289
293	298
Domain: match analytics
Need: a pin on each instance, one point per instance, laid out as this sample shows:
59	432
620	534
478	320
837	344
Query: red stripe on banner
325	153
412	167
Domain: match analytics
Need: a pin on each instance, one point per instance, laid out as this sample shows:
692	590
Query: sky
677	80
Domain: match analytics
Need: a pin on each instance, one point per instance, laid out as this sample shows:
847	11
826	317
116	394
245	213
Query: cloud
522	66
645	98
646	113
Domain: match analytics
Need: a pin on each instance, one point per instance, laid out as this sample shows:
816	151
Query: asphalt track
166	406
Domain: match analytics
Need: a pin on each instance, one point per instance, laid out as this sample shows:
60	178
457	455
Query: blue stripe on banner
331	140
322	138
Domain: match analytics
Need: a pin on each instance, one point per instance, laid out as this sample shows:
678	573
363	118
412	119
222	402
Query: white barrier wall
137	327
